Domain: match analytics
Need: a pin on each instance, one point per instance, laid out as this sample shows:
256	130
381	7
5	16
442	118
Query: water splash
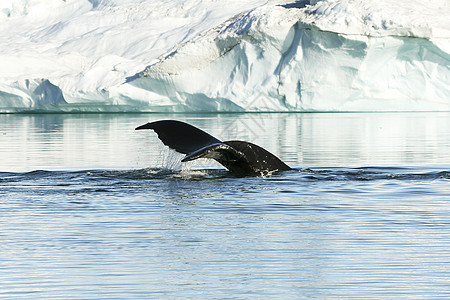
170	160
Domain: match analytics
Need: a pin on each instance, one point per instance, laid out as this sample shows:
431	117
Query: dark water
91	209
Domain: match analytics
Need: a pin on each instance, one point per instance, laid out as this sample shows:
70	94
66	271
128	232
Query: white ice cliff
229	55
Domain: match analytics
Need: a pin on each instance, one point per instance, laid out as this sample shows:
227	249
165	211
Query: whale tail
237	156
180	136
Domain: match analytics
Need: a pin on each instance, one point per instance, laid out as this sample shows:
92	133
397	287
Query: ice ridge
335	55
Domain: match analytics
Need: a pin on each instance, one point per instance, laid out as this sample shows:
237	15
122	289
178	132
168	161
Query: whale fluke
237	156
179	136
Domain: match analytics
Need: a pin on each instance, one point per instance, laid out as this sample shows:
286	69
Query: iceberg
224	56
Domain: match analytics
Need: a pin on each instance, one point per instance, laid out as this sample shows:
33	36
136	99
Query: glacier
224	55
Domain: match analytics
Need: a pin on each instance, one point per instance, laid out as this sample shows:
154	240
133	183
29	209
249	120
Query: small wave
162	173
315	174
374	173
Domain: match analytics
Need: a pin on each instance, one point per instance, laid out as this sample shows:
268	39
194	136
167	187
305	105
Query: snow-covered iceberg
188	55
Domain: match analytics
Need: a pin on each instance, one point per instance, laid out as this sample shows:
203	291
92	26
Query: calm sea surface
92	209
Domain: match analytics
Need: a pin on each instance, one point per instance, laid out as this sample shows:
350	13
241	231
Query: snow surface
224	55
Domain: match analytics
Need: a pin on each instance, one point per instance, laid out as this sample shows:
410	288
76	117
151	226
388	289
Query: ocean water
92	209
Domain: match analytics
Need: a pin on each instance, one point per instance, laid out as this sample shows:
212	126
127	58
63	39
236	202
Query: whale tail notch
237	156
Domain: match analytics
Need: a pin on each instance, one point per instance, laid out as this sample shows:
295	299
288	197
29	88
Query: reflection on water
87	212
363	233
59	141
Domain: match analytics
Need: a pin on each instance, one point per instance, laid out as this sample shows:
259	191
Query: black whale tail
237	156
180	136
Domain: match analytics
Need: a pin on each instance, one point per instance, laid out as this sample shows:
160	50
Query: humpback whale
237	156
